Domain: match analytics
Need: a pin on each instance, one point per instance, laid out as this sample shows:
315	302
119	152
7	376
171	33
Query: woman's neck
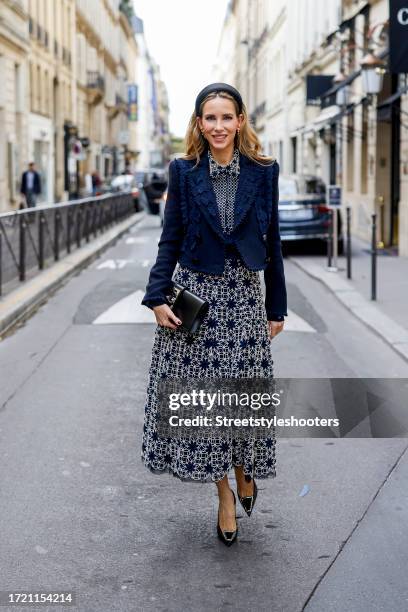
223	157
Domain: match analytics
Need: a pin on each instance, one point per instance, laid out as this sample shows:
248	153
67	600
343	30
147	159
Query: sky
182	37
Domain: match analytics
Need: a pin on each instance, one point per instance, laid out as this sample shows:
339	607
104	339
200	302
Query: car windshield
287	187
315	185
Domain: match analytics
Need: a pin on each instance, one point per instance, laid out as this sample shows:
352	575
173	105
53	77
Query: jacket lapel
203	194
250	179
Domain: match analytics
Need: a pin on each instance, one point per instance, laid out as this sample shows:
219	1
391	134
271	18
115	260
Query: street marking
128	310
295	323
136	240
117	264
114	264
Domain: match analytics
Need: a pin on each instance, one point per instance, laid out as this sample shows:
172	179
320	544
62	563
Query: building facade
81	94
14	50
303	82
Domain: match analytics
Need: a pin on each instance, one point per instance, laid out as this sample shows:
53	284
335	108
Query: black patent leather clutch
188	307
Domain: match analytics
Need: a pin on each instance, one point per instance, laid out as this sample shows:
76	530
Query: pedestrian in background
221	226
96	182
31	185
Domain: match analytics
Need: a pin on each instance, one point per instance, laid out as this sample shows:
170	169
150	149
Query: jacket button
264	237
195	260
267	259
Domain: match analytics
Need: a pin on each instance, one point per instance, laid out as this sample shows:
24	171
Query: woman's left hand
274	328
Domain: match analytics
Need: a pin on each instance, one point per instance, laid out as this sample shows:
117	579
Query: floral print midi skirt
232	342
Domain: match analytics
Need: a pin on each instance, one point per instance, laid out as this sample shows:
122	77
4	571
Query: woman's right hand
165	317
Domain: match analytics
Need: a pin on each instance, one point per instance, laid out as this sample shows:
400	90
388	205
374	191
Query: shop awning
328	115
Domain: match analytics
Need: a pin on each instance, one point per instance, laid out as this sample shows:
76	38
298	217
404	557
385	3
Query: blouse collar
231	169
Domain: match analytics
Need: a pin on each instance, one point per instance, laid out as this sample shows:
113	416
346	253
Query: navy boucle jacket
192	234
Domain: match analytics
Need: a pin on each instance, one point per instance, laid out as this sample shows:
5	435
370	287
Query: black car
303	210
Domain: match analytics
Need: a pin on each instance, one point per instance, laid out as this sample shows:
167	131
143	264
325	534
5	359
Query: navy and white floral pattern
232	342
225	182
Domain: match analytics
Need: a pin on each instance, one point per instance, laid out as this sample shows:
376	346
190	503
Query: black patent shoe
227	537
248	501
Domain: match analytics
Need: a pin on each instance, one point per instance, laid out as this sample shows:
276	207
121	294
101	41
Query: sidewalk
18	305
388	315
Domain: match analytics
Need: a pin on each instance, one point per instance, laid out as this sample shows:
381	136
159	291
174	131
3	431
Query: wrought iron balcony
95	84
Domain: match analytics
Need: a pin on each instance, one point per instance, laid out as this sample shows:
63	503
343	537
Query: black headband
217	87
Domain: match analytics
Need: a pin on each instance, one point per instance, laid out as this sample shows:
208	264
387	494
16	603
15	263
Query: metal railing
95	80
32	238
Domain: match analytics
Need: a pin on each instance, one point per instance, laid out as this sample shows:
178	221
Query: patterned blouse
225	183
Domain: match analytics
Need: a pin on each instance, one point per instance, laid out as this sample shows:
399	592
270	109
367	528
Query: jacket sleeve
275	298
159	283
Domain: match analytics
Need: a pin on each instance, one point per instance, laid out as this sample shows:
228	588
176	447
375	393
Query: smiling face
219	123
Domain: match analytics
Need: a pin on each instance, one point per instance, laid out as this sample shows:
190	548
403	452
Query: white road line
128	310
114	264
136	240
295	323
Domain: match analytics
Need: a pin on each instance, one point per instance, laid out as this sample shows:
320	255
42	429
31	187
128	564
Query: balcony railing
94	80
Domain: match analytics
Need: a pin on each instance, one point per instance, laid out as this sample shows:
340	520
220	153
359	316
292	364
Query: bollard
374	257
330	239
1	264
348	245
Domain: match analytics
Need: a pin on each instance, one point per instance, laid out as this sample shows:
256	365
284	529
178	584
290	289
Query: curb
20	304
393	334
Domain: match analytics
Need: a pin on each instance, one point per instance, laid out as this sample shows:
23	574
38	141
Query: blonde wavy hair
247	141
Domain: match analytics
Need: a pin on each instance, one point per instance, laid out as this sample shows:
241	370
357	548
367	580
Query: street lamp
372	71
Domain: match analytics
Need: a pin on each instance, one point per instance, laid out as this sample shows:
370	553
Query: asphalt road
79	512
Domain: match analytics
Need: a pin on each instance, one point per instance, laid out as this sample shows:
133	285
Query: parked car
162	204
126	183
303	210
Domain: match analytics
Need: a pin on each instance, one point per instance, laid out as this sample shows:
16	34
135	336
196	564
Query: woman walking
220	228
